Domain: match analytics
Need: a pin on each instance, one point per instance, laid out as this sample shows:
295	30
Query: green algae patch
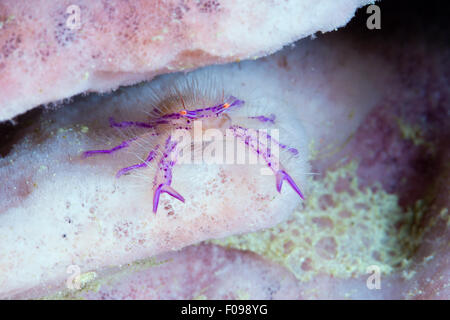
340	230
93	281
415	133
411	132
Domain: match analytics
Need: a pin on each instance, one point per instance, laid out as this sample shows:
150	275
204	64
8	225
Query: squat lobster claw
167	189
282	175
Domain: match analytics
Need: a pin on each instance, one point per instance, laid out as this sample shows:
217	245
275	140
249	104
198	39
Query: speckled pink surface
44	60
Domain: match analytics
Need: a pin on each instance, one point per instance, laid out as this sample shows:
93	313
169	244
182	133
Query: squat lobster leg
257	141
163	177
124	144
143	164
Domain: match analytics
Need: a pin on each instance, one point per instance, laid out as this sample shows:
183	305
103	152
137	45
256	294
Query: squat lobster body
166	121
213	111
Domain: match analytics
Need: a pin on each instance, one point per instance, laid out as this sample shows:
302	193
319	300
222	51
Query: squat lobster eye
183	112
226	105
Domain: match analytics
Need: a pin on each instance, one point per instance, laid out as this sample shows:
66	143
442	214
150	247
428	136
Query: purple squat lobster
183	120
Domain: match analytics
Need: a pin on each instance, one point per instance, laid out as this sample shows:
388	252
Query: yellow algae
331	149
414	133
339	232
200	295
411	132
443	214
351	114
86	278
93	281
242	295
313	151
